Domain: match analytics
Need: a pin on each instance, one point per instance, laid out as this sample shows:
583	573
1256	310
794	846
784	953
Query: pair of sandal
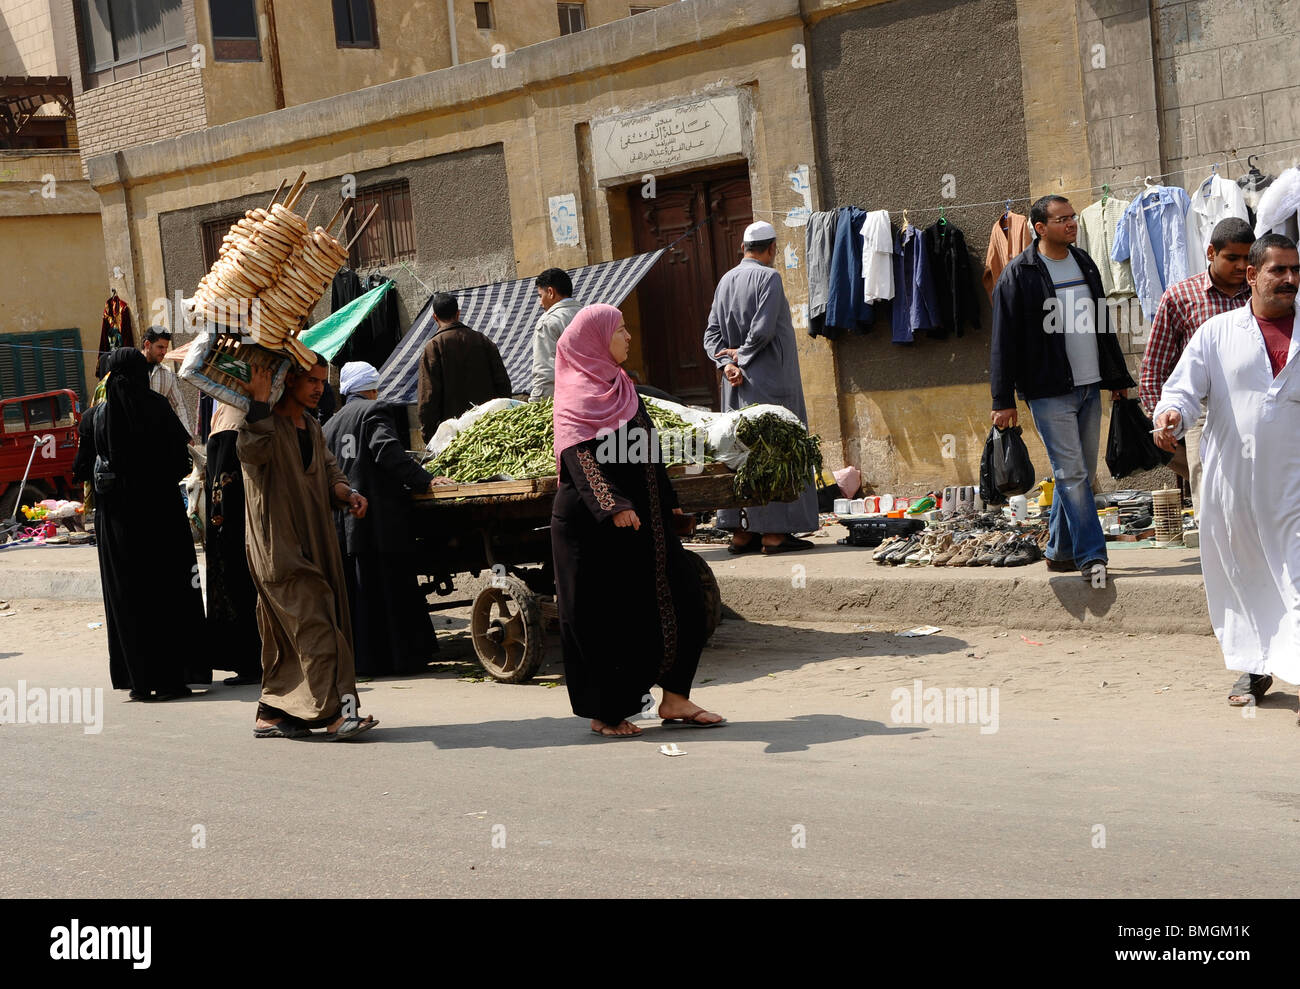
293	728
788	544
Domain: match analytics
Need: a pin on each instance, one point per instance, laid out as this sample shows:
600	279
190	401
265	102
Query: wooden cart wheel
712	596
506	624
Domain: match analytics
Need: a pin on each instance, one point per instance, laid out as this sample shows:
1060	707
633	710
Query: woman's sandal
351	728
753	546
1254	685
691	722
609	732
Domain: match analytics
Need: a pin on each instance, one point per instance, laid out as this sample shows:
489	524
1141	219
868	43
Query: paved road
1179	782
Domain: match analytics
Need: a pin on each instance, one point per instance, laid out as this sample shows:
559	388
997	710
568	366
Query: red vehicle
47	422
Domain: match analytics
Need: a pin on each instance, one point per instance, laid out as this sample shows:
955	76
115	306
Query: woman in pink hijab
630	602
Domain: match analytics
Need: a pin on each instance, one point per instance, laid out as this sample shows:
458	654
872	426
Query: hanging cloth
1010	236
1152	236
846	307
115	326
916	307
819	239
1097	225
877	257
954	278
1278	205
1213	200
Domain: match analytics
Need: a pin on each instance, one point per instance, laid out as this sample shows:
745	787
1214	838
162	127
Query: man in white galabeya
1242	363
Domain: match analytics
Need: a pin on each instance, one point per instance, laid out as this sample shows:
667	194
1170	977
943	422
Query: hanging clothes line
1026	199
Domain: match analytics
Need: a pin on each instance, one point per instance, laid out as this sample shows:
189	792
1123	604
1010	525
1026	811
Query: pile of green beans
519	442
783	459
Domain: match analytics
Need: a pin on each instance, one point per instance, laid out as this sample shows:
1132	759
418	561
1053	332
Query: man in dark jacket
1054	346
390	619
460	367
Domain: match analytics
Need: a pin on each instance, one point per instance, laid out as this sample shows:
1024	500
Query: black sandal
789	544
1249	685
754	545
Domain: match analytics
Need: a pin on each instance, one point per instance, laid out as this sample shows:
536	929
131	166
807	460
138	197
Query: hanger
943	220
1105	193
112	291
1007	214
907	222
1214	170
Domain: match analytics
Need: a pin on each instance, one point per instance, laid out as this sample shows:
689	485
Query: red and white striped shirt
1183	308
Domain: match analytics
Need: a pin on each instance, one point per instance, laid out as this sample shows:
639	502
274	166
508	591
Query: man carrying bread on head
292	484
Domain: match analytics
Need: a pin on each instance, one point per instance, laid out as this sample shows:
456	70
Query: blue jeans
1070	426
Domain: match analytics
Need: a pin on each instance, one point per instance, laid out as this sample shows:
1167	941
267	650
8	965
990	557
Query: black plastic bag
1005	468
1129	447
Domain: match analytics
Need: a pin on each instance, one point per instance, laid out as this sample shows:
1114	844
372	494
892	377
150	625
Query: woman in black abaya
152	602
631	608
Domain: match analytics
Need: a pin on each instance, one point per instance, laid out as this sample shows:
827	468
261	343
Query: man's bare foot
675	707
622	728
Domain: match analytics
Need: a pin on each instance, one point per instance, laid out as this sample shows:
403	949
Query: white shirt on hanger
1213	200
1278	205
877	257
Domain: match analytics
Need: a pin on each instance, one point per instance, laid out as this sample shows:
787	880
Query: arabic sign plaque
668	136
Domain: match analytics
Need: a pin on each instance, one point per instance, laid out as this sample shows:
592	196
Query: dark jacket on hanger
1028	360
846	305
954	279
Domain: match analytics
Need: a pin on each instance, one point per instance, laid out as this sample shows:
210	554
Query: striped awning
507	312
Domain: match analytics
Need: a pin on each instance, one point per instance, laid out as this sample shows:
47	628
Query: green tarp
329	335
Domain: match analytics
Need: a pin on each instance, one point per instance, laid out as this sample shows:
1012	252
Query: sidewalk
1150	590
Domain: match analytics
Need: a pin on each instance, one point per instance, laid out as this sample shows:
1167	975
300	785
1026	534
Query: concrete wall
923	120
1228	78
27	39
53	275
460	241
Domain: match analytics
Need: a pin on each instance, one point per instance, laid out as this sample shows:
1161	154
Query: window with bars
354	24
214	231
390	236
37	362
573	17
234	30
483	16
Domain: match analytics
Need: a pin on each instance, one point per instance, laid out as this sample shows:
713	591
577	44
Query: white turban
357	376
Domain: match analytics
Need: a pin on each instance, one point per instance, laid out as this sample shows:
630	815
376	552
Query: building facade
467	124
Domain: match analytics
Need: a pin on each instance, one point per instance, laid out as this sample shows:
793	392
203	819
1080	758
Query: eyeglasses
1063	219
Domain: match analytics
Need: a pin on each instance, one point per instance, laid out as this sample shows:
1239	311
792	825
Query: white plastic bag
720	428
448	430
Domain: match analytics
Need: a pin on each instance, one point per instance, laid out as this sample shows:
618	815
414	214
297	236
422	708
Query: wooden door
703	217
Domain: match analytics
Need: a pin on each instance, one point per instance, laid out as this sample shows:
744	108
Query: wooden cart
503	528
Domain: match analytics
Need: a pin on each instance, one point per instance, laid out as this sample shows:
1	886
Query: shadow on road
797	734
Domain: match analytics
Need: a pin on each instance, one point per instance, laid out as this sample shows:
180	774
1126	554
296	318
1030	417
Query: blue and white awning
507	312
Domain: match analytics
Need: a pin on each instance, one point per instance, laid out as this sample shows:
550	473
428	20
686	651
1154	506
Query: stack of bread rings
275	268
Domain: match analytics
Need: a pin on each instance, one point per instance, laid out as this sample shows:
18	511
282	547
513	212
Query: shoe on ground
1061	566
1094	573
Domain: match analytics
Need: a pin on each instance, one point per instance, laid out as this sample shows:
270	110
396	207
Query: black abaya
630	602
232	596
148	570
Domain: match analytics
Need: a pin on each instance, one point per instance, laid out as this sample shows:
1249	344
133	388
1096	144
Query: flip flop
282	729
595	731
1250	685
754	545
789	545
351	728
691	722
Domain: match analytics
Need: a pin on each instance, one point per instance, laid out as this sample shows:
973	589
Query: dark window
390	236
36	362
213	233
483	16
573	17
116	32
234	30
639	10
354	24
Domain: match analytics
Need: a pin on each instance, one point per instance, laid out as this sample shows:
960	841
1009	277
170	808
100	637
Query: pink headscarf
592	393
